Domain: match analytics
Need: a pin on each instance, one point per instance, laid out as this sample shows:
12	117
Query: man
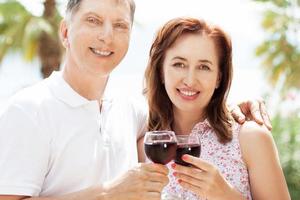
62	139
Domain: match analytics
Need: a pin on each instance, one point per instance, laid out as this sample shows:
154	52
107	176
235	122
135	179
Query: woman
188	78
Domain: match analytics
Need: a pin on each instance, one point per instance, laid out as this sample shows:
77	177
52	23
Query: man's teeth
101	53
188	93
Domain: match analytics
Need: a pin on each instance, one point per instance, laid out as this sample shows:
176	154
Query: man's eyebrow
91	13
124	20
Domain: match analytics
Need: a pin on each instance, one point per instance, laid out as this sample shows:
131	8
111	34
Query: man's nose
106	33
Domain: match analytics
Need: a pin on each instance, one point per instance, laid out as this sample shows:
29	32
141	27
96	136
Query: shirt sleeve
24	153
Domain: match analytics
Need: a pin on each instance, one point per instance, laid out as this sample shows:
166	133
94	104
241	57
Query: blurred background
266	52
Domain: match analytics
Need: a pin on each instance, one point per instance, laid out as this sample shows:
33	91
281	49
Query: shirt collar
64	92
202	127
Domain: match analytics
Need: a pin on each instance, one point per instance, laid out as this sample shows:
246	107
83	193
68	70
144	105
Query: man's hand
254	110
145	181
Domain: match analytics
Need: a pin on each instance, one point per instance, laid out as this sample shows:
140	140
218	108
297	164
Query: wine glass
187	144
160	146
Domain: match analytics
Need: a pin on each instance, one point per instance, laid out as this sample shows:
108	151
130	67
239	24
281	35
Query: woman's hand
204	179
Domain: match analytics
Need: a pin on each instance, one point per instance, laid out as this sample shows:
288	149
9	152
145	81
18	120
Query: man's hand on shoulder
254	110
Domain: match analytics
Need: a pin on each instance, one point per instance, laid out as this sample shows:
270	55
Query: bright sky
240	18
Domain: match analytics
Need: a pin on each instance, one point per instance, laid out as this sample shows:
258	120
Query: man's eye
121	26
93	20
179	65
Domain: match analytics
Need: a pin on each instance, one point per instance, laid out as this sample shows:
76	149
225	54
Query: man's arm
95	193
144	181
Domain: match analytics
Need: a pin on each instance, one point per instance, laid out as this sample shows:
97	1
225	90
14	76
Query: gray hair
74	5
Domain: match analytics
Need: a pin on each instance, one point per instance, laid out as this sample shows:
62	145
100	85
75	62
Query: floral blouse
226	157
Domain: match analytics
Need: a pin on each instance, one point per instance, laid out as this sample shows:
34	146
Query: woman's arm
261	157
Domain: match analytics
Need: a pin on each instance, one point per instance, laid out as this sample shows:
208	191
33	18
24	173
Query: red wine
161	152
191	149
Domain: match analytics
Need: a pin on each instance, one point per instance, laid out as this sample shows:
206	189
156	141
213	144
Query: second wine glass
187	144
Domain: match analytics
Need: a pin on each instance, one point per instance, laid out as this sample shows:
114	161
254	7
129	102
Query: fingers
152	196
156	177
154	172
265	115
154	186
237	114
197	162
255	111
195	180
189	179
194	188
152	167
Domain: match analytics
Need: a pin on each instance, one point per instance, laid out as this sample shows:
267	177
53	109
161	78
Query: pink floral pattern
227	158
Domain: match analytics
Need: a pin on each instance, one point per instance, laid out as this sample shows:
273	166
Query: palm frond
13	20
32	32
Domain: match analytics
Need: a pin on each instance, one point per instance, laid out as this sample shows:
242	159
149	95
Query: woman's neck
184	122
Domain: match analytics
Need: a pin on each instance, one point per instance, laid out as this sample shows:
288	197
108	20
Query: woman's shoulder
251	131
255	141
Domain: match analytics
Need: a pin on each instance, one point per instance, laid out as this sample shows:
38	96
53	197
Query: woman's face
191	73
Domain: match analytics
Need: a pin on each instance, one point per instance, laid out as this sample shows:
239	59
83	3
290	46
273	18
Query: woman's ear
63	33
219	80
162	78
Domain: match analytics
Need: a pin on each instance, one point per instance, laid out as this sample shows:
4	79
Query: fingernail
259	117
173	165
174	174
184	157
269	125
179	180
241	119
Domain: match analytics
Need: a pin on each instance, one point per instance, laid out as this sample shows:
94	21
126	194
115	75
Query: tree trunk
50	49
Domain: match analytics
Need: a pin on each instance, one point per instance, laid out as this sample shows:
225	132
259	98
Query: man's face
98	35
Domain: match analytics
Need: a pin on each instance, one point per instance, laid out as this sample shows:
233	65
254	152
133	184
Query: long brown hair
160	106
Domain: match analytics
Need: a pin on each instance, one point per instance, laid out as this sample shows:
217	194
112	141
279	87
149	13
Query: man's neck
88	86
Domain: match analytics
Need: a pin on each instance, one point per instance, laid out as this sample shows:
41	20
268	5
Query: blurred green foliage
286	131
280	52
281	49
33	36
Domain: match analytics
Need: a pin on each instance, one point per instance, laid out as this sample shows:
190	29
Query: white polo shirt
53	141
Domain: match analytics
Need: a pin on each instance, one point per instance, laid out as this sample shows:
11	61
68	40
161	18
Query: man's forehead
114	2
88	6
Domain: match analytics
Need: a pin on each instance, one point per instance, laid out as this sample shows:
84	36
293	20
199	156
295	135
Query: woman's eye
179	65
204	67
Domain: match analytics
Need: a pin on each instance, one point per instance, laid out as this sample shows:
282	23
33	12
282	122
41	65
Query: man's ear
63	33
